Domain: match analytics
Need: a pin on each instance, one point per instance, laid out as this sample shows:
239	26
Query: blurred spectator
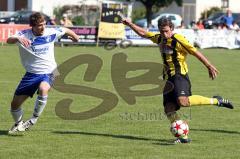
51	21
200	25
219	26
215	26
234	26
224	26
192	25
182	26
228	18
66	21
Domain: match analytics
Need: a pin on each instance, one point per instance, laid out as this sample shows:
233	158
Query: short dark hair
36	18
162	22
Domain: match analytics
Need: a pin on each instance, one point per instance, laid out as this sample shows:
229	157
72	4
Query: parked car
175	18
216	19
20	17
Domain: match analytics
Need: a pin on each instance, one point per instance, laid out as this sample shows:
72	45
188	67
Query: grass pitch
136	131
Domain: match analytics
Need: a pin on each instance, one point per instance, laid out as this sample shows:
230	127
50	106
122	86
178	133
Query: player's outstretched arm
71	35
212	70
24	41
140	31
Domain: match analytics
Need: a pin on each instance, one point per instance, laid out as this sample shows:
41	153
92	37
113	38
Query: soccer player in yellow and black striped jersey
174	49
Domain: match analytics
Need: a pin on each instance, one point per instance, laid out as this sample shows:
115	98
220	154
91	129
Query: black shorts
176	86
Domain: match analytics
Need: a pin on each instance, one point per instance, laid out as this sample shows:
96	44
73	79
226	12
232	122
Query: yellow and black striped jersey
174	51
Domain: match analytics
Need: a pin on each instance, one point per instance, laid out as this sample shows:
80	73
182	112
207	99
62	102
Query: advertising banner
208	38
110	25
87	34
137	40
217	38
6	30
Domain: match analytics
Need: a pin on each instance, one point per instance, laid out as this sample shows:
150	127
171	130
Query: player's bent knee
43	91
44	88
183	101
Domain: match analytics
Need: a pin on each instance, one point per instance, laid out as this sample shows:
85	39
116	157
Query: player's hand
24	41
74	39
126	21
213	72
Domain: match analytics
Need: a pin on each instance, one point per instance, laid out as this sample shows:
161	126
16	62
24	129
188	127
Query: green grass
215	131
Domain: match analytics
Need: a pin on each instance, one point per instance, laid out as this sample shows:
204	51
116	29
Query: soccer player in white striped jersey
36	47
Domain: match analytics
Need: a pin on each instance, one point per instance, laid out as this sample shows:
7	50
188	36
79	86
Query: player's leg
16	109
25	89
41	100
171	102
39	106
171	112
182	89
185	98
196	100
17	112
215	100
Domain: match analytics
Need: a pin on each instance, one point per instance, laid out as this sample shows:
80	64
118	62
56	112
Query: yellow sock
200	100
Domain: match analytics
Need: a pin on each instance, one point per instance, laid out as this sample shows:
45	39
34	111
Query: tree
149	4
139	13
205	14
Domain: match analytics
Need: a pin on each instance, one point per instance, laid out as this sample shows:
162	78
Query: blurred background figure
182	26
192	25
200	25
224	26
228	18
51	21
234	26
66	21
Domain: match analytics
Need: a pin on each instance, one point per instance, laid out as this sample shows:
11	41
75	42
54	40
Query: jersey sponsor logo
40	50
166	49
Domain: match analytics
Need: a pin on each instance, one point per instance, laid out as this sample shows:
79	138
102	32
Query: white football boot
15	128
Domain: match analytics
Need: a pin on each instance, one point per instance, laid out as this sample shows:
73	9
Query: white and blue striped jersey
39	58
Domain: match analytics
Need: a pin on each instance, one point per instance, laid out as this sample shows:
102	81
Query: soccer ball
179	128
